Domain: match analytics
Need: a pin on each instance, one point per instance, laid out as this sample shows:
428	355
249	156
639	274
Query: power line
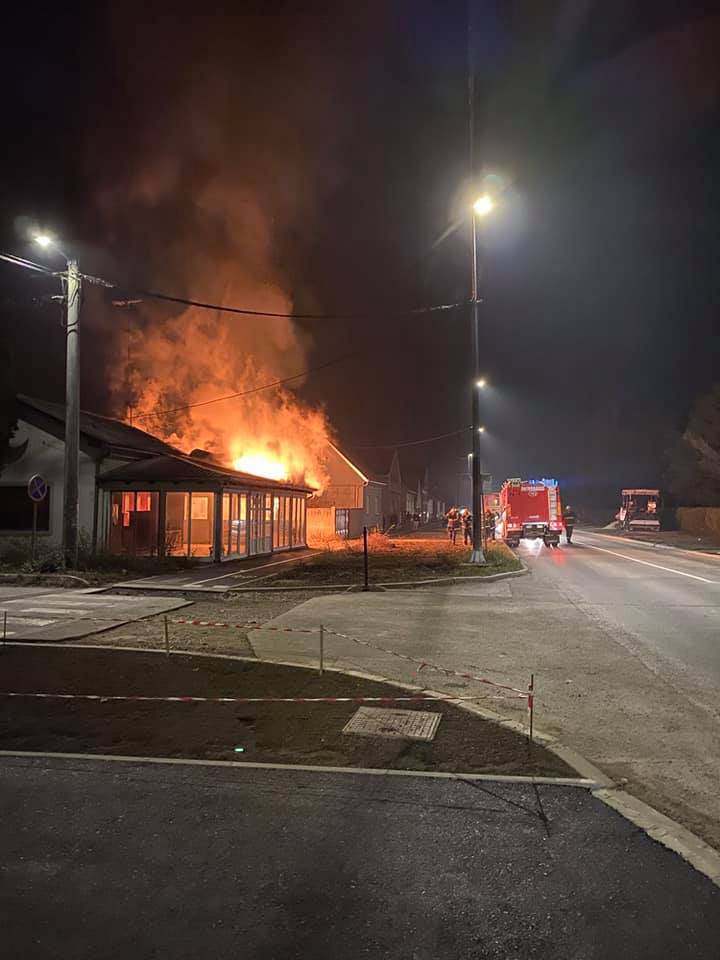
248	312
299	316
415	443
27	264
245	393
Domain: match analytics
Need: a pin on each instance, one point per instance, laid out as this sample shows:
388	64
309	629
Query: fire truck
530	510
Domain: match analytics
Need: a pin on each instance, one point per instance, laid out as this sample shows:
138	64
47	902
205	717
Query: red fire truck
530	509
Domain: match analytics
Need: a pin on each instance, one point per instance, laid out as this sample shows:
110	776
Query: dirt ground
241	609
396	560
292	733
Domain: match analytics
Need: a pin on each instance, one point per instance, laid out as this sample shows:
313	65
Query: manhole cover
379	722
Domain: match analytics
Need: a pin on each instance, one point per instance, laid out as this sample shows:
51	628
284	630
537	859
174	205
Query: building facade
139	496
350	501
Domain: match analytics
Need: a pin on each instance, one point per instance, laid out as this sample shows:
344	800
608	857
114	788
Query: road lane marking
647	563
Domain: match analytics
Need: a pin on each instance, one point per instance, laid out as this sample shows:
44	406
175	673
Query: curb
310	768
668	832
671	834
206	594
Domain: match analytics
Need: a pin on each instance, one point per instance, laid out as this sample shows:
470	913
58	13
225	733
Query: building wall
45	455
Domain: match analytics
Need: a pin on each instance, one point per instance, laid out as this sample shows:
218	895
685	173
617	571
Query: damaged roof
178	469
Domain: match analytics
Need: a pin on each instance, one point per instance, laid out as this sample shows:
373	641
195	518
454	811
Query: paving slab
117	860
72	614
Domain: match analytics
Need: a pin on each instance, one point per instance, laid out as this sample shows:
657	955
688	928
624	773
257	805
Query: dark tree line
693	461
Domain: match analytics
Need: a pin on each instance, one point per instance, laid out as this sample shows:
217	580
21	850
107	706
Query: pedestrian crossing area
68	615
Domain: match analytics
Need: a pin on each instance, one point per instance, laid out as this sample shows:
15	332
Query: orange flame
180	364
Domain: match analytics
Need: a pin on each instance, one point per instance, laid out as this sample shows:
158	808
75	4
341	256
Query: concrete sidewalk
596	692
33	613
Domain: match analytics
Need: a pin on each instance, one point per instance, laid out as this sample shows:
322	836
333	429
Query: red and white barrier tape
421	664
242	626
426	664
104	698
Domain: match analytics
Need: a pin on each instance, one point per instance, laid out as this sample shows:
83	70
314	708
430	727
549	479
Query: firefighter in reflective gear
466	520
569	521
453	523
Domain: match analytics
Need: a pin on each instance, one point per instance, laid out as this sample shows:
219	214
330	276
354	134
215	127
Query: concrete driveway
119	860
622	640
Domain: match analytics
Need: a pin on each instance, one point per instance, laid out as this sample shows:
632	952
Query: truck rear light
556	525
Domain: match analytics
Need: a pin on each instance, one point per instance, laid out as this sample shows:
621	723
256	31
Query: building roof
373	462
100	431
176	468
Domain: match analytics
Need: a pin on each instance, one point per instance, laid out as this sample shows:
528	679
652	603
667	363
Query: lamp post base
477	556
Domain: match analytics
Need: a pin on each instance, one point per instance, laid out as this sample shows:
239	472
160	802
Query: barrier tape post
366	585
531	703
322	647
167	638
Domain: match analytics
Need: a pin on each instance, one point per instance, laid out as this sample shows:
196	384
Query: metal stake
531	702
365	557
167	638
322	647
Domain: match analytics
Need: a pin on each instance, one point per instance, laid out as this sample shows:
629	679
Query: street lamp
71	480
481	208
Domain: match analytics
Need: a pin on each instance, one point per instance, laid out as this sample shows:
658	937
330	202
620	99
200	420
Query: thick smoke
217	166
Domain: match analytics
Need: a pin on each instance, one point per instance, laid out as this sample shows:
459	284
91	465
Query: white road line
21	621
647	563
240	573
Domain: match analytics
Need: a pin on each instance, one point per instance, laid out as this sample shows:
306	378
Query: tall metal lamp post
481	208
71	481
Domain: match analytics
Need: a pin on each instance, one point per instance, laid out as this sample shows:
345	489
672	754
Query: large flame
180	364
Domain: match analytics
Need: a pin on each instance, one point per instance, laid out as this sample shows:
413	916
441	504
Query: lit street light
481	208
72	403
483	205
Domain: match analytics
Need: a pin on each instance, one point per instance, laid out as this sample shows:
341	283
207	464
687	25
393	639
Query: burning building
142	496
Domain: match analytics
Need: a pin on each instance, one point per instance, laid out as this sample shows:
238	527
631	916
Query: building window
16	510
342	523
201	524
134	526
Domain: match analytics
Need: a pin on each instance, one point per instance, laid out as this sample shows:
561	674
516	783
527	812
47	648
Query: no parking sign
37	488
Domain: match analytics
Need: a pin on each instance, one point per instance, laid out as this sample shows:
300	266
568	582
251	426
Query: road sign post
37	489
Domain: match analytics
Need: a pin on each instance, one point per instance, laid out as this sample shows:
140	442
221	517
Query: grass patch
396	561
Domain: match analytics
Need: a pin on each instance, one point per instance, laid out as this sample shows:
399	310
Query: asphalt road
668	600
132	860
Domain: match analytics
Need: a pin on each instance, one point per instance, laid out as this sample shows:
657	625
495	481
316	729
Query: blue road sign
37	488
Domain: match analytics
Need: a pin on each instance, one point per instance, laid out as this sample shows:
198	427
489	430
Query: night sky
340	137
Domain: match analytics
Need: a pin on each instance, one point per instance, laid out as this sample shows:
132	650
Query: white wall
45	455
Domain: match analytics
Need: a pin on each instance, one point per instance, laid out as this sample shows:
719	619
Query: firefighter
453	522
467	526
490	521
569	521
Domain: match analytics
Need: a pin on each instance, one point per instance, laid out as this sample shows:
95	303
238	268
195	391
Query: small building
139	496
350	501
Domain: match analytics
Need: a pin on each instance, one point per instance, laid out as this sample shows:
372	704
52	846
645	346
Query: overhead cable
245	393
27	264
415	443
248	312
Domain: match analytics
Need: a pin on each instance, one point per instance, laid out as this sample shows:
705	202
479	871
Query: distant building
351	500
140	496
